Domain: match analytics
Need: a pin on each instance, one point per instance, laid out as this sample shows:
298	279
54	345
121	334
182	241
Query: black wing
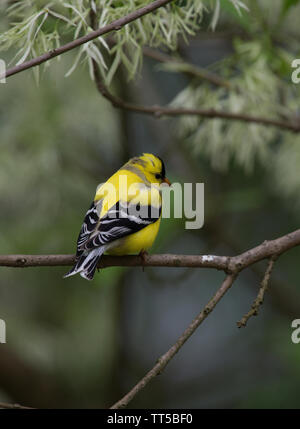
121	220
89	225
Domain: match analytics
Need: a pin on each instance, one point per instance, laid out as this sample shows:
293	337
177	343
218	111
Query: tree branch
165	358
159	111
231	265
260	296
159	260
234	266
113	26
225	263
187	68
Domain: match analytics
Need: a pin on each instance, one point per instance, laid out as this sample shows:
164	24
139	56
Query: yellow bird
125	215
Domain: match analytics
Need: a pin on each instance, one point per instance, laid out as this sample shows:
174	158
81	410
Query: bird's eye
157	176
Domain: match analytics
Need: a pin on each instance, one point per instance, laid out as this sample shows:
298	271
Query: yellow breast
134	243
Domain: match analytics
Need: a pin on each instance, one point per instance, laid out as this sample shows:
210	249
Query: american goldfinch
125	215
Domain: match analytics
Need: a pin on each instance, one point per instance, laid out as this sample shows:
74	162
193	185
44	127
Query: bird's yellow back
135	182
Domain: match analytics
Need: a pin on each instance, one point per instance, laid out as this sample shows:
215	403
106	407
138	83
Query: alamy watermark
296	73
140	202
296	333
2	332
2	71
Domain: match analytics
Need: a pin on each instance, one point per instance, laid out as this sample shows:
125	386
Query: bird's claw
143	254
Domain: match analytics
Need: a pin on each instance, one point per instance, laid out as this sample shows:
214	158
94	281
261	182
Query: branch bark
225	263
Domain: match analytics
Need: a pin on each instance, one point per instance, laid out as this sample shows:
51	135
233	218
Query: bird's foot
143	254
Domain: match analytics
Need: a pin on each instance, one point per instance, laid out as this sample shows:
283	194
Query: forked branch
231	265
160	111
261	294
165	358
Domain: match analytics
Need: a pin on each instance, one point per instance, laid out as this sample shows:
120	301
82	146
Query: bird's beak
165	180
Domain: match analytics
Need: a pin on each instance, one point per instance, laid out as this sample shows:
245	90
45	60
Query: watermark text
2	332
2	71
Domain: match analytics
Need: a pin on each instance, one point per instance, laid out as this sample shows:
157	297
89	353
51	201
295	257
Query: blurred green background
76	344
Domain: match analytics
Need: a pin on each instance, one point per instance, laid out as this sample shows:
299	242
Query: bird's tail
87	264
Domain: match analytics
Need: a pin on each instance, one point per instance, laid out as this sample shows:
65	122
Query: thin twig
113	26
165	358
160	111
187	68
261	293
